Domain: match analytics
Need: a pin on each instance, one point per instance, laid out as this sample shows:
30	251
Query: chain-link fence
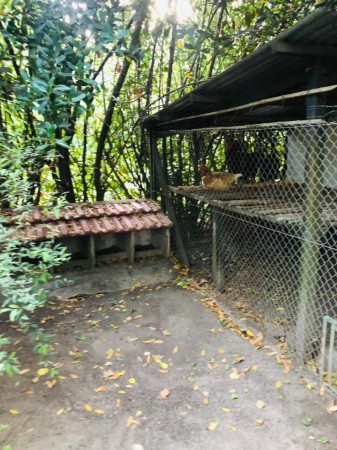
269	240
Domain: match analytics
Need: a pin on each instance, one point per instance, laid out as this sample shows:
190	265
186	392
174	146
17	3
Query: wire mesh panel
267	237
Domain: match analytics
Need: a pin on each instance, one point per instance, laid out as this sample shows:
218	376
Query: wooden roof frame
300	59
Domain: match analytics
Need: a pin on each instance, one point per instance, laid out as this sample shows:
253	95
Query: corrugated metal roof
278	68
82	219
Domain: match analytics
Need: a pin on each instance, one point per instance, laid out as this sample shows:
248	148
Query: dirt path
144	365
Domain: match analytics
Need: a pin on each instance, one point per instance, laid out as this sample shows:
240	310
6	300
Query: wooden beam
303	49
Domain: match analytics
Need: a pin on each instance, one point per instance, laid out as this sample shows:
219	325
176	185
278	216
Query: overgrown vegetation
24	267
76	77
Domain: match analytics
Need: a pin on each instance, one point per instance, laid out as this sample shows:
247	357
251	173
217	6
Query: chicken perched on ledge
217	180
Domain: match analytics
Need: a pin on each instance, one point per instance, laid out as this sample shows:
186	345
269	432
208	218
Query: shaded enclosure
269	241
267	237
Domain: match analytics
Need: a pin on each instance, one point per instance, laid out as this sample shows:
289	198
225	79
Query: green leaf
60	88
42	147
40	85
323	440
306	421
90	82
78	97
3	426
7	447
81	338
24	75
61	143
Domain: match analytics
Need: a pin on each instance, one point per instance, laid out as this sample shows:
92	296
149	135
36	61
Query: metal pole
312	220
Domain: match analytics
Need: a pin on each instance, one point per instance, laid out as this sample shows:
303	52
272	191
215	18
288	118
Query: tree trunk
64	182
134	45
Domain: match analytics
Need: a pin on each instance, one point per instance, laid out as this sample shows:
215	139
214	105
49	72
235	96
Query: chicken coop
269	239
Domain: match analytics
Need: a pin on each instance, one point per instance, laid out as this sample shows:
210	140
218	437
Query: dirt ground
144	364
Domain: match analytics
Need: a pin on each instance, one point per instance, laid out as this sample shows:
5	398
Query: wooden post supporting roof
167	199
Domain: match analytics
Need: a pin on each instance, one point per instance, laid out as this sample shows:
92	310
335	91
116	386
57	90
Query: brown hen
218	180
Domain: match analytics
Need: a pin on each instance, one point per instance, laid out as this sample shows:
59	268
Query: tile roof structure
80	219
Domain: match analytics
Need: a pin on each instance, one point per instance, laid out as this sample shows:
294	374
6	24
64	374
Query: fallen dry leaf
176	349
238	360
322	390
109	353
212	366
13	411
149	341
59	412
225	409
51	383
205	400
43	371
332	408
235	375
117	374
258	340
101	389
132	380
88	408
73	376
131	339
166	333
212	426
287	366
260	421
278	384
260	404
131	421
164	393
99	411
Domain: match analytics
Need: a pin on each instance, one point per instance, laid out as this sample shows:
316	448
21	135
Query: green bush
25	267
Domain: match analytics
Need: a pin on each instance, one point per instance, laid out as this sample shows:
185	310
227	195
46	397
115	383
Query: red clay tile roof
79	219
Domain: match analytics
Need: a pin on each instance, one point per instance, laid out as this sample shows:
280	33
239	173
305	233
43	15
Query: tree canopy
76	77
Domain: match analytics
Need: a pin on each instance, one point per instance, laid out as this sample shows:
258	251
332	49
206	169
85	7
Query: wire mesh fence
269	238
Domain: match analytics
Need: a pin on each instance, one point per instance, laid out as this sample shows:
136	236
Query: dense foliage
76	77
24	267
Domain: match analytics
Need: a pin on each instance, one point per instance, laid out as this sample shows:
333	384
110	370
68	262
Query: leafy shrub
25	267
